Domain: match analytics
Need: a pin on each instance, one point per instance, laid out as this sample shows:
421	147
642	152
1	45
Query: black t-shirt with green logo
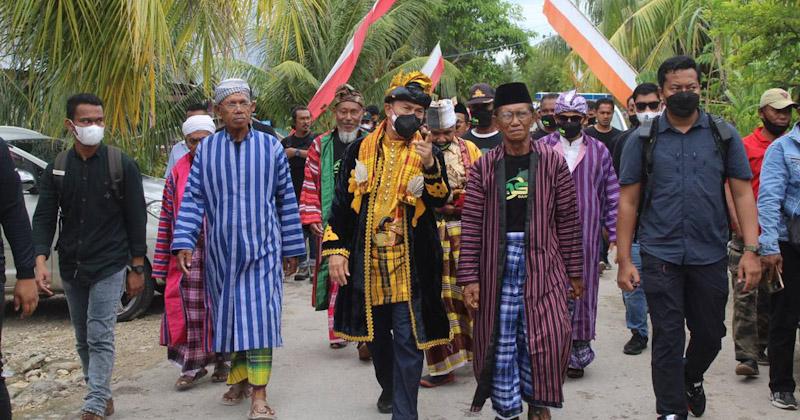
516	191
339	148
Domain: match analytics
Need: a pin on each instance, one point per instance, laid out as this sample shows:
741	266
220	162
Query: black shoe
784	400
696	399
385	402
635	345
747	368
574	373
672	417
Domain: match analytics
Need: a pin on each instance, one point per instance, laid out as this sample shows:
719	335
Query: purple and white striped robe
553	256
598	196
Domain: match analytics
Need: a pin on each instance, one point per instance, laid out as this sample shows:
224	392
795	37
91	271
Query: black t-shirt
516	191
297	164
339	148
619	146
484	143
539	133
606	138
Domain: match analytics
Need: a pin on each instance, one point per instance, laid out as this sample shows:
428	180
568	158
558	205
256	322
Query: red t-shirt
756	146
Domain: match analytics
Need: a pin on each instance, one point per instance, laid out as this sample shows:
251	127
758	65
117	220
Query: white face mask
647	116
89	136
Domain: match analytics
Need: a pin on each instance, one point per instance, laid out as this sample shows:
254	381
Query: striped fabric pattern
554	254
598	196
310	202
245	193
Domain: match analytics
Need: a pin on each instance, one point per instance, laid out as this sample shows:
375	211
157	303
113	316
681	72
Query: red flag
341	71
434	67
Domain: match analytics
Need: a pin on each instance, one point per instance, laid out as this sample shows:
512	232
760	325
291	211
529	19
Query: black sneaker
672	417
784	400
635	345
747	368
696	399
385	402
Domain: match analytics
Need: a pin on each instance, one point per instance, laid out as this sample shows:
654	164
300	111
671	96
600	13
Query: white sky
532	16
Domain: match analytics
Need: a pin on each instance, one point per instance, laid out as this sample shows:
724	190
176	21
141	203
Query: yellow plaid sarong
253	366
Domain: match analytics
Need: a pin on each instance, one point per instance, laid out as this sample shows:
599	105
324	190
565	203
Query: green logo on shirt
517	187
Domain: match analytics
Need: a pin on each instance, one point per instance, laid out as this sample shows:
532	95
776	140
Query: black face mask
549	122
570	130
774	129
683	104
633	119
483	118
592	121
407	125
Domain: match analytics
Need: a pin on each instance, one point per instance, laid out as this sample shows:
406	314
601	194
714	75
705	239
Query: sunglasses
572	119
642	106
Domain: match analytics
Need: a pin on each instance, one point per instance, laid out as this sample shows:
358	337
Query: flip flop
259	410
337	346
235	396
188	382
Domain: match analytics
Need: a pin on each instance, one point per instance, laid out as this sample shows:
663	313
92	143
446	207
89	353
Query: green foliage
471	32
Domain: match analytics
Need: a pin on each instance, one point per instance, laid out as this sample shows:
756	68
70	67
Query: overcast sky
532	17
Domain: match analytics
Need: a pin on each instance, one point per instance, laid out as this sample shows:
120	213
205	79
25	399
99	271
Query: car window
22	164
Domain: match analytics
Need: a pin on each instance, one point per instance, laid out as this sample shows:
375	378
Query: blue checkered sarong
512	381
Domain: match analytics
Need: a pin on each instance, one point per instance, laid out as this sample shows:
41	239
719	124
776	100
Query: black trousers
397	361
693	294
5	399
783	317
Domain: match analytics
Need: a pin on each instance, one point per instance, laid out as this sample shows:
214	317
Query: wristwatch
138	269
756	249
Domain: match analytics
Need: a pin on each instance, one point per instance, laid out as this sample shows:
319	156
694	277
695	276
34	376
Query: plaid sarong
444	359
389	278
512	381
254	366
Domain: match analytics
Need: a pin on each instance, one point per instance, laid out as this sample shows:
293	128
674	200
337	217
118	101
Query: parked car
31	151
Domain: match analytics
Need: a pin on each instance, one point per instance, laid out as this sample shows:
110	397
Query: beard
346	137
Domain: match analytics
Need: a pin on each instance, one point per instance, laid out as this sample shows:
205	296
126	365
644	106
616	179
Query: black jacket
14	219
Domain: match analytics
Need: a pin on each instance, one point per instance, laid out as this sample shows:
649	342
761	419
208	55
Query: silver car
31	151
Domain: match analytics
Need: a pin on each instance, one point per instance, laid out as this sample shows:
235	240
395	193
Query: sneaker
747	368
696	399
635	345
672	417
784	400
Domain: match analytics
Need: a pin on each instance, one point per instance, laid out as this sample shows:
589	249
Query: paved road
310	381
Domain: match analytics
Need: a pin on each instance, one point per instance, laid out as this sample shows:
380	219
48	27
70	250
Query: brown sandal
236	394
538	413
187	382
220	374
259	410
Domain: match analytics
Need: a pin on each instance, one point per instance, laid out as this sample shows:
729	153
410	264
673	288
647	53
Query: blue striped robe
252	221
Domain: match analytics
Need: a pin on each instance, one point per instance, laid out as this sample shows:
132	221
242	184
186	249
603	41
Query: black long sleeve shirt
14	219
99	232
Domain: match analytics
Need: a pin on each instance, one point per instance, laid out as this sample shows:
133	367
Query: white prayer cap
441	114
228	87
198	123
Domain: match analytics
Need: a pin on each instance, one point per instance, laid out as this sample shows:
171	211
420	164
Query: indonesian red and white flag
341	71
434	67
607	64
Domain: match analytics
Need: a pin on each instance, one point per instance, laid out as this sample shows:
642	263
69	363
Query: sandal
259	410
236	394
220	374
337	346
188	381
538	413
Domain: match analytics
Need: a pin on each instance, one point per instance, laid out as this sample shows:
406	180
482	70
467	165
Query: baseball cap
480	93
776	98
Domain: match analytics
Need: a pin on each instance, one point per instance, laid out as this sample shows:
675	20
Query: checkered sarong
581	353
389	282
254	366
512	382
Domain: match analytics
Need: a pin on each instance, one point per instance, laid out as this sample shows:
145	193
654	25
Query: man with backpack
673	176
102	223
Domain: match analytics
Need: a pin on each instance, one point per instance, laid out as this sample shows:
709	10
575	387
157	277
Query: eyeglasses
570	119
232	106
507	117
642	106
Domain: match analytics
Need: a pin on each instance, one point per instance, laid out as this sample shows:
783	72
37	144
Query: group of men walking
444	233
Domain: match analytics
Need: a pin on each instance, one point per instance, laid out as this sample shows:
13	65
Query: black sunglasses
642	106
572	119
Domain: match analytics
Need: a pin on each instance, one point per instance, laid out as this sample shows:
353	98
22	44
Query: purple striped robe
598	196
554	255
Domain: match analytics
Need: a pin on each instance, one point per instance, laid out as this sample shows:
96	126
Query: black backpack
648	133
114	161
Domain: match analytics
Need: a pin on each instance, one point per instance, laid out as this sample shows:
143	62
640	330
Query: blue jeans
397	361
93	310
635	301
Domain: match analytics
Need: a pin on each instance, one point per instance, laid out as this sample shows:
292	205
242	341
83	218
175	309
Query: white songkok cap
198	123
228	87
441	115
